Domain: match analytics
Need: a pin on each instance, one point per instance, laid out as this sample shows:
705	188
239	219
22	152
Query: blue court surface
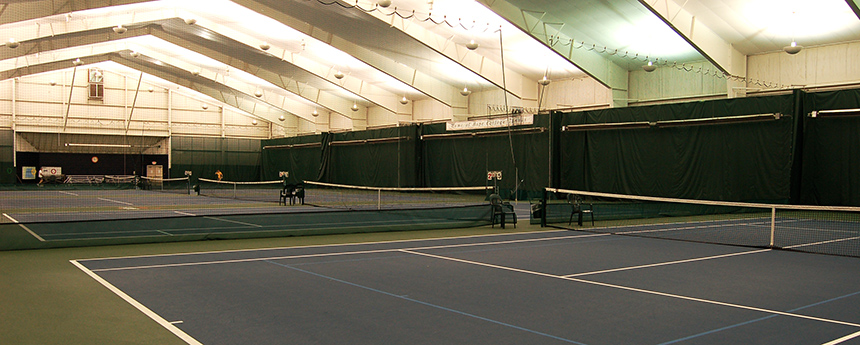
548	287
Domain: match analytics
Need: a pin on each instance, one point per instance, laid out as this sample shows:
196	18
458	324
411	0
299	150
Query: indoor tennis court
591	172
548	287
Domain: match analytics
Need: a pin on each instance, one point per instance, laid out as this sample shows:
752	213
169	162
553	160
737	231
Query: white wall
815	66
41	107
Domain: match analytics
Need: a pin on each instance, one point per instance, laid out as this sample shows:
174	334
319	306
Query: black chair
288	192
298	195
501	209
579	208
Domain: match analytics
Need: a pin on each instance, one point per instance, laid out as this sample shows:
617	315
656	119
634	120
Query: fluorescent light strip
719	120
367	141
835	113
99	145
290	146
674	123
607	126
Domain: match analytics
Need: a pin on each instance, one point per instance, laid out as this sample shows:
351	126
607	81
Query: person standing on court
219	174
41	178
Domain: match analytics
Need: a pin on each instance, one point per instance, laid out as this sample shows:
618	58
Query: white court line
67	193
218	262
164	232
326	245
627	288
234	221
184	213
822	242
146	311
24	227
691	227
116	201
239	229
843	339
666	263
304	256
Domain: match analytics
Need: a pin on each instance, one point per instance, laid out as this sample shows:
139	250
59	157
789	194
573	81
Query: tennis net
263	191
379	198
129	180
179	185
815	229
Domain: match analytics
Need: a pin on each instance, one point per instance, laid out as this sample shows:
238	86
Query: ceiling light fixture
265	46
77	62
465	91
315	113
134	54
13	43
338	75
404	101
281	118
384	3
53	82
195	72
472	45
120	29
254	122
650	67
190	21
354	107
545	81
793	48
258	93
205	106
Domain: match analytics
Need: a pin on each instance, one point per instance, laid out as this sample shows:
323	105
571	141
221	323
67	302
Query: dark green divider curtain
237	159
746	161
393	163
8	175
464	162
831	156
302	163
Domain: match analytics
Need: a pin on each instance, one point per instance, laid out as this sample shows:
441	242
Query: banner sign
52	171
510	121
28	173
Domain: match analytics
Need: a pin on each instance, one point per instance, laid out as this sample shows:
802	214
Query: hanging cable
510	115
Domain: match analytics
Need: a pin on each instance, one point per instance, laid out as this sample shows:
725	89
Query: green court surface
47	300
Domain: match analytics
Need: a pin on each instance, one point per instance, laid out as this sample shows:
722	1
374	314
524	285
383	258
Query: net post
543	209
772	225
